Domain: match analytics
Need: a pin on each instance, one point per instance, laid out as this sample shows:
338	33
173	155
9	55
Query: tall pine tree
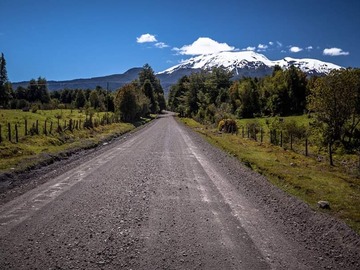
4	83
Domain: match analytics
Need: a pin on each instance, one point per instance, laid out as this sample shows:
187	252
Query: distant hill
111	82
244	63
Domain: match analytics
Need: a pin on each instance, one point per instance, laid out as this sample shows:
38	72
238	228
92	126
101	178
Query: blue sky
62	39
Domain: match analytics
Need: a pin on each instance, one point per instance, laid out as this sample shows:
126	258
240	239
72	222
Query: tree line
334	100
139	98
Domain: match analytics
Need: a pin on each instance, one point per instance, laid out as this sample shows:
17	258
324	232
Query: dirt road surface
163	198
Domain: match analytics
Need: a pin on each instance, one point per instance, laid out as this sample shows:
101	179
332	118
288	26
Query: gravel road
163	198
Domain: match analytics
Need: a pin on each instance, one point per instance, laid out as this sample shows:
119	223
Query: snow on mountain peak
250	60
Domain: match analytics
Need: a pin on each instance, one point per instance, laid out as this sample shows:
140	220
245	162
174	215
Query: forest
209	97
142	97
332	101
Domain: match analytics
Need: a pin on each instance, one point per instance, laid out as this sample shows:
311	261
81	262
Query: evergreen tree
5	87
37	91
297	88
148	90
94	99
147	73
80	99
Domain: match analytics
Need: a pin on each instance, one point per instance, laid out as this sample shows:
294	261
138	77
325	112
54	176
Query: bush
227	125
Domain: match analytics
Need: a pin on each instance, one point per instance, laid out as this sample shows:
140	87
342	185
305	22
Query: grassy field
31	150
305	177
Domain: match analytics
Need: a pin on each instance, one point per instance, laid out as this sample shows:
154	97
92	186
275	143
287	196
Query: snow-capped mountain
249	63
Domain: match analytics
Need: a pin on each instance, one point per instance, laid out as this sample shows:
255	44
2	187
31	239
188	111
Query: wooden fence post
45	131
9	132
51	126
261	135
26	127
16	133
306	147
275	137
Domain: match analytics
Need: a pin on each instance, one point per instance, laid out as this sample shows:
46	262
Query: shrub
227	125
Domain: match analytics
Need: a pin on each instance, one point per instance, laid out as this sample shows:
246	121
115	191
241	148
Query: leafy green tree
126	103
274	94
245	98
176	100
333	99
80	100
94	99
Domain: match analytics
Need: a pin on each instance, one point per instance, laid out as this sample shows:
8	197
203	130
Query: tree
37	91
274	94
94	99
5	87
333	99
296	84
147	73
148	90
80	99
247	98
126	103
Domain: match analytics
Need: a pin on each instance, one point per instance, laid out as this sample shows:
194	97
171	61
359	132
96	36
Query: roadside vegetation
38	126
302	132
305	177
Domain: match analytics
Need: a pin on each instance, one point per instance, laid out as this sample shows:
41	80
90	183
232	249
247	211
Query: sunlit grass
301	176
31	150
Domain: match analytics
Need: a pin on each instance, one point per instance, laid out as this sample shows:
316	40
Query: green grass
31	150
301	176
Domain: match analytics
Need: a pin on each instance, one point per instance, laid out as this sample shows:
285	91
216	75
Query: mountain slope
111	82
249	63
244	63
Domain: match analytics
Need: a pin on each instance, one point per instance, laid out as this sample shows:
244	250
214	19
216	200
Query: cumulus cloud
144	38
309	48
262	47
249	48
334	52
204	45
295	49
161	45
271	43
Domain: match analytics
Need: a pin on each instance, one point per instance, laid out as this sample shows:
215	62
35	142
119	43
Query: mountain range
241	63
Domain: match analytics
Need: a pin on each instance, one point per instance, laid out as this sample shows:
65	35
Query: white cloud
334	52
279	44
161	45
249	48
271	43
204	45
146	38
262	47
295	49
309	48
